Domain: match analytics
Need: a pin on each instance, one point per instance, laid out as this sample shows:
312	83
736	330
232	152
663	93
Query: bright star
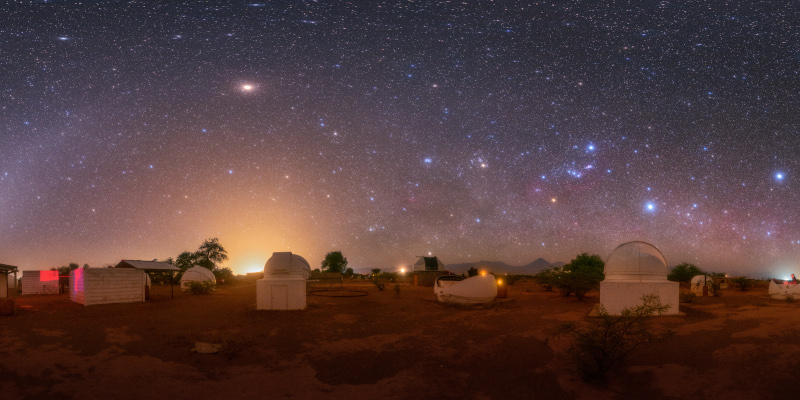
779	176
650	206
247	88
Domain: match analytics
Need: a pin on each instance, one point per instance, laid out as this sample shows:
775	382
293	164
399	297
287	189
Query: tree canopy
684	272
207	255
582	275
334	262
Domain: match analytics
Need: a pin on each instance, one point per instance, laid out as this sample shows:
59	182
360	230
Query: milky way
388	130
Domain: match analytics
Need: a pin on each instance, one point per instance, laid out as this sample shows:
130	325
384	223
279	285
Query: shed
426	270
633	270
151	267
196	274
90	286
429	264
8	290
40	282
284	284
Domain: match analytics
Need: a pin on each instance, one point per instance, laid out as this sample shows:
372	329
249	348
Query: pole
171	284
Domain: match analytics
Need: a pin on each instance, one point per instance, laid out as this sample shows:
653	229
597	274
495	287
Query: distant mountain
502	268
498	267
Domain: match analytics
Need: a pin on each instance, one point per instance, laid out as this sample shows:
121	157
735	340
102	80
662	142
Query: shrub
689	297
547	278
684	272
202	287
744	283
397	289
608	339
582	275
790	299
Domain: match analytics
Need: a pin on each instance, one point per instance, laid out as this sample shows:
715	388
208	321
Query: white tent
702	285
196	274
783	289
633	270
284	283
473	290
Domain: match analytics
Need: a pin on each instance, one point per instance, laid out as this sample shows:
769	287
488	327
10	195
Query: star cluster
387	130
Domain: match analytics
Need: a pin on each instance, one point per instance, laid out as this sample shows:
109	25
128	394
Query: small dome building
284	284
633	270
196	274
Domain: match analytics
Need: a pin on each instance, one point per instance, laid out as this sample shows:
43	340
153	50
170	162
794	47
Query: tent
196	274
633	270
474	290
284	284
702	285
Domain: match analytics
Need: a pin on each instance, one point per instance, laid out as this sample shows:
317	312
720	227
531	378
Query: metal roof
7	269
147	265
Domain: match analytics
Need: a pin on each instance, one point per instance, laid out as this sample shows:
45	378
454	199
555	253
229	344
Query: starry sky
471	130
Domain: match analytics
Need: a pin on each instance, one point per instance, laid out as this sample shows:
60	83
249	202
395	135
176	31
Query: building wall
106	285
281	293
616	296
39	282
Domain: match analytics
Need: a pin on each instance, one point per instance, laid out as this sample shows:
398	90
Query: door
280	297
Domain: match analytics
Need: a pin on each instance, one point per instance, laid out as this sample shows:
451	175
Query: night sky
473	131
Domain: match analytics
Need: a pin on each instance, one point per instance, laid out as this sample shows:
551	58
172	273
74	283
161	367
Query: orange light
499	281
483	273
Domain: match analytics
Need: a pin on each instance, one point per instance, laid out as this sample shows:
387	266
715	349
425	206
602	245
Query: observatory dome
636	261
196	274
287	264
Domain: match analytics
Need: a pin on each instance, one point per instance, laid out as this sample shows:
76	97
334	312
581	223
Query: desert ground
742	345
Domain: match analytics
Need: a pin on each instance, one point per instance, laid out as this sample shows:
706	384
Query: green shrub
744	283
202	287
582	275
609	339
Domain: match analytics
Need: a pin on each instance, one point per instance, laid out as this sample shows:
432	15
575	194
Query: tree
222	274
334	262
186	260
472	271
608	340
744	283
65	270
582	275
548	278
684	272
348	272
210	253
375	272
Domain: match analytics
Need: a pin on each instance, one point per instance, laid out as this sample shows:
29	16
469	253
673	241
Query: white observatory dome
196	274
287	264
636	261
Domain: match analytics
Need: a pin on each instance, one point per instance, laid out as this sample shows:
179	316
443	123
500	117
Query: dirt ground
384	345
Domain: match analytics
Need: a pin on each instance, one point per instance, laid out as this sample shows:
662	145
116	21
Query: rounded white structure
702	285
636	261
196	274
473	290
284	283
783	289
633	270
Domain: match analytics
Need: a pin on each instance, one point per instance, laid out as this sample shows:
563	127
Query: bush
202	287
610	339
582	275
547	278
744	283
684	272
689	297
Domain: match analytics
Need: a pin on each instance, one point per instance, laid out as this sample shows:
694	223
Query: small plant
689	297
609	339
715	290
379	284
790	299
397	289
744	283
202	287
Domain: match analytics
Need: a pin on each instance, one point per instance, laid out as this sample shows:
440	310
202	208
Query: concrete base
616	296
281	293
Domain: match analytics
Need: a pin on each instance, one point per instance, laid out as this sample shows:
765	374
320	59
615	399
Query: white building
633	270
39	282
89	286
196	274
284	283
